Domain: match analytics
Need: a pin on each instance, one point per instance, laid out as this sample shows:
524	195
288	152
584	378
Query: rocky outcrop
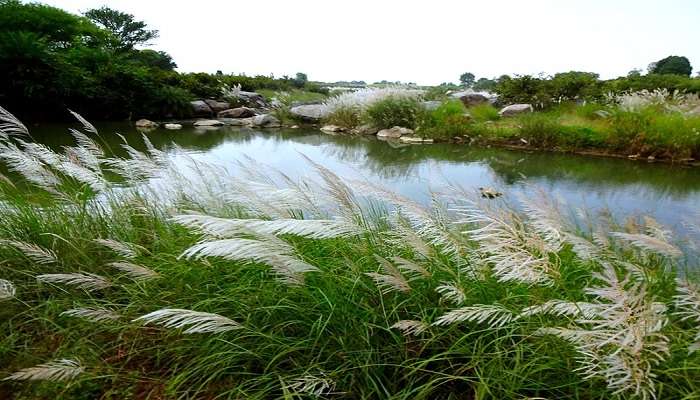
201	109
332	129
252	99
239	112
173	126
309	112
208	122
266	121
144	123
365	129
394	133
515	109
217	106
471	98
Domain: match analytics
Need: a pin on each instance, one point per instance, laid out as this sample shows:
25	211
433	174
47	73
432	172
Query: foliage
394	111
675	65
467	79
484	112
446	121
125	29
345	116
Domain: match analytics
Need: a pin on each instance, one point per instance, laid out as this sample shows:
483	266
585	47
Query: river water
669	193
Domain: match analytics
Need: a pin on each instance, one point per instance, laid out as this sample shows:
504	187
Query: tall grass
186	281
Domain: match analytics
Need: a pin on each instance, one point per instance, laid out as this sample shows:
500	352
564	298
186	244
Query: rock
309	112
239	112
173	126
208	122
515	109
365	129
489	193
252	99
145	123
470	98
332	128
294	127
414	139
394	133
431	105
201	109
266	121
217	106
237	121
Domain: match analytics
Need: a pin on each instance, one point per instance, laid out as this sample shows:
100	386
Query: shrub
394	111
484	112
446	121
540	130
346	116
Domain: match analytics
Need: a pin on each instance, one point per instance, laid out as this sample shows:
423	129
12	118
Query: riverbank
300	290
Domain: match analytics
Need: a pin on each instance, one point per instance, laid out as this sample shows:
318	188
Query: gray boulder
173	126
471	98
515	109
252	99
394	133
332	128
239	112
208	122
365	129
144	123
309	112
201	109
217	106
266	121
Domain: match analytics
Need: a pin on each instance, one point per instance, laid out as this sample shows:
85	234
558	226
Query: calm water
669	193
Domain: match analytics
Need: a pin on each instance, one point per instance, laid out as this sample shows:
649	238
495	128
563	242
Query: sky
427	42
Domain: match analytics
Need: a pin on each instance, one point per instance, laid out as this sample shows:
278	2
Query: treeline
51	60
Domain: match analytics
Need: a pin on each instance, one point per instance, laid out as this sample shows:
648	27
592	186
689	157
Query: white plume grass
60	370
7	289
134	271
93	314
410	327
494	315
193	321
34	252
86	281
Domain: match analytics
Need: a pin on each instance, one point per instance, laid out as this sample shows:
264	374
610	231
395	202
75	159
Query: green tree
675	65
300	79
126	30
467	79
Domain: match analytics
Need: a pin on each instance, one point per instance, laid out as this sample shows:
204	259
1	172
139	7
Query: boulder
332	128
208	122
201	109
144	123
266	121
365	129
309	112
217	106
252	99
414	139
173	126
470	98
240	112
394	133
237	121
515	109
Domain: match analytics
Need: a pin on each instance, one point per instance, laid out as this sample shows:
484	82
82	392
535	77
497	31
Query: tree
676	65
300	79
467	79
127	31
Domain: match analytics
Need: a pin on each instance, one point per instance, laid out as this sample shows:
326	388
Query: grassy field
207	285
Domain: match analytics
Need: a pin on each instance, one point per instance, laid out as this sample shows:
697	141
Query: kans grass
139	278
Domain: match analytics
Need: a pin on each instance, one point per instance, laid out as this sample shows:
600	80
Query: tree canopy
467	79
674	65
127	31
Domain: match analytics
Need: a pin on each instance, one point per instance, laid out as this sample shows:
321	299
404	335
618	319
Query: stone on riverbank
217	106
208	122
266	121
239	112
365	129
145	123
414	139
309	112
252	99
201	109
515	109
173	126
332	129
469	98
394	133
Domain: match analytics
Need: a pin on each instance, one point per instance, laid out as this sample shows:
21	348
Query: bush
394	111
484	112
446	121
347	117
540	130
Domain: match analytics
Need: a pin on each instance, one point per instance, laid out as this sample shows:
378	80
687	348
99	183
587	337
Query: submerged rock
394	133
266	121
332	128
414	139
200	108
515	109
173	126
208	122
309	112
365	129
145	123
239	112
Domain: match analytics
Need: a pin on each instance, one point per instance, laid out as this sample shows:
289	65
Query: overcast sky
427	42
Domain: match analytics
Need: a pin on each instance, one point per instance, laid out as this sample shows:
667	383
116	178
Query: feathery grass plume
93	178
60	370
545	217
34	252
30	167
86	124
402	235
124	249
410	327
409	267
620	340
265	249
266	199
340	192
311	385
10	125
313	229
561	308
85	142
195	321
86	281
514	252
391	279
451	293
7	289
134	271
495	315
648	243
687	303
94	314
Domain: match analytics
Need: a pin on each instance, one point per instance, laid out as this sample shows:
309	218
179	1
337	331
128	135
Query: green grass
336	326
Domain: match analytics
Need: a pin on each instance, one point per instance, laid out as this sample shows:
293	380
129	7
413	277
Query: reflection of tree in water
401	161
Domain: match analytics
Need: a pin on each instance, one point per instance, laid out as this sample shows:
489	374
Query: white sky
427	42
